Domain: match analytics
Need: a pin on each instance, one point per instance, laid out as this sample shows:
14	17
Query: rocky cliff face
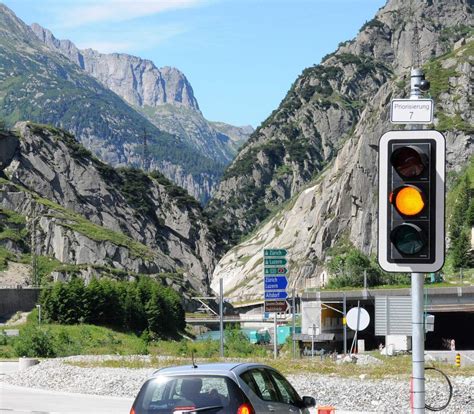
340	203
136	80
38	83
323	108
163	95
93	219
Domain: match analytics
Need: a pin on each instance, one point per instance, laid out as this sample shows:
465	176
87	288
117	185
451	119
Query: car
220	388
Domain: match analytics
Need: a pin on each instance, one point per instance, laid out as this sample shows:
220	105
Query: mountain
323	107
89	219
163	95
310	170
137	81
39	84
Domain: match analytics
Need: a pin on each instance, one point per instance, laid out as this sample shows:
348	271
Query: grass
79	340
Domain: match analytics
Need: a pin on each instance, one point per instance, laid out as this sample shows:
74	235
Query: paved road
28	400
22	400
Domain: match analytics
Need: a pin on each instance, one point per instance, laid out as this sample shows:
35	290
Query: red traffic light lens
408	239
409	162
408	200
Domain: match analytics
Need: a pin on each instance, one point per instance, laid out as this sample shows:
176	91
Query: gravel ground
358	394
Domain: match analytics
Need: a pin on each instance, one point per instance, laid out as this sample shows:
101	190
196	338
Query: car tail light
245	408
132	410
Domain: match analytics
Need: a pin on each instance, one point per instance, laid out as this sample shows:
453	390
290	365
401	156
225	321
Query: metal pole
293	305
275	337
365	279
33	251
418	343
312	340
417	280
221	315
39	314
344	322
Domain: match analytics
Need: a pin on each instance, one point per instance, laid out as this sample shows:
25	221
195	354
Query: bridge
437	299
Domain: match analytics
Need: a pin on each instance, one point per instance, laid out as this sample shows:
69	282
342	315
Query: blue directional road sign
275	282
275	294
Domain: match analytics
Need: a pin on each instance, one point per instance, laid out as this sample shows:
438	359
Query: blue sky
241	56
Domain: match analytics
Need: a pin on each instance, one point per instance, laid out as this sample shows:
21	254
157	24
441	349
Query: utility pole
344	322
275	336
34	260
221	316
145	150
293	305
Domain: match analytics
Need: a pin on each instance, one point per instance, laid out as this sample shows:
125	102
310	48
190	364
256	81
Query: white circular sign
364	319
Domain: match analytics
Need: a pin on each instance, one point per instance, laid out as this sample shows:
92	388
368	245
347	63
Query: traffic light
411	201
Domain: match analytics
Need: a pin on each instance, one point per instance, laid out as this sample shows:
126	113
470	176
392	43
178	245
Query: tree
460	223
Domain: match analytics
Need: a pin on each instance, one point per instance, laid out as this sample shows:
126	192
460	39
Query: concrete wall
14	300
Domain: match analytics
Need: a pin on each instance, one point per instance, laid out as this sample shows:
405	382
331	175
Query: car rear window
175	394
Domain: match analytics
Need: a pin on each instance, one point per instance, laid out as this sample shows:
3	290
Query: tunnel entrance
451	325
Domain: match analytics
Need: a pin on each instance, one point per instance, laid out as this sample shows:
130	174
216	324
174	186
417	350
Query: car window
287	392
165	395
260	383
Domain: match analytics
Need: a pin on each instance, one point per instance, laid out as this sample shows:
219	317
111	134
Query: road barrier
458	360
326	410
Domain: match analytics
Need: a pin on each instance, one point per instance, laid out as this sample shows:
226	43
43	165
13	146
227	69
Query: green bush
460	217
348	266
35	341
238	345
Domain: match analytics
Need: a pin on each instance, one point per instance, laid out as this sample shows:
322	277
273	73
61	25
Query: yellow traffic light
408	200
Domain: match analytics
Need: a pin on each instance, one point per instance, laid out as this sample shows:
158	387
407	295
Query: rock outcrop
93	218
340	203
136	80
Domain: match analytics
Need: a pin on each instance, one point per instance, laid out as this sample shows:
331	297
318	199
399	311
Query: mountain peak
12	27
136	80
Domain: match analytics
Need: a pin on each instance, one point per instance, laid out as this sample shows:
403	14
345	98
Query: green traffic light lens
408	239
409	162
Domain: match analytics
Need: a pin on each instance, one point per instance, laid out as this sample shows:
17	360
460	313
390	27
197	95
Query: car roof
215	369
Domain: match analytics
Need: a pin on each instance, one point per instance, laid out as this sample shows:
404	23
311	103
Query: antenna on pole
416	59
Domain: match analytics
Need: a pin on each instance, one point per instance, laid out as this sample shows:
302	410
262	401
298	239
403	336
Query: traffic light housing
411	201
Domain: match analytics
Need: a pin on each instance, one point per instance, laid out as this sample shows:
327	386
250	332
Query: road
29	400
22	400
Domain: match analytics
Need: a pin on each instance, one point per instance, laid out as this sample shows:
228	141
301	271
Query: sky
240	56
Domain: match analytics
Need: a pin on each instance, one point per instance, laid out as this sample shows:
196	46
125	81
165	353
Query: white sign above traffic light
411	201
411	111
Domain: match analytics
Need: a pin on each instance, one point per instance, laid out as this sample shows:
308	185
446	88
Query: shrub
35	342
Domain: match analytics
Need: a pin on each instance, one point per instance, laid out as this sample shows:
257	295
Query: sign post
275	270
275	282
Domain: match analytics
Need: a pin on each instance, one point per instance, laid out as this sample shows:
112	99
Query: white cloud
111	11
139	39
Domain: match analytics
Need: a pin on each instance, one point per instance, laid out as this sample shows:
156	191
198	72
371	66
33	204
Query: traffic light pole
418	343
417	282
